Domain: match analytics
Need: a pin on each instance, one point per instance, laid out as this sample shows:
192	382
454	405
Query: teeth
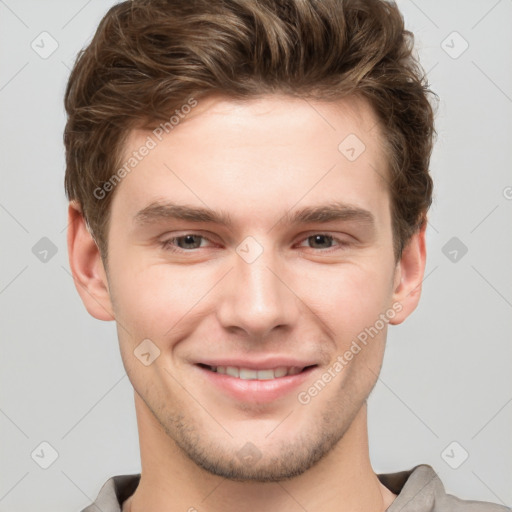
248	374
281	371
231	370
265	374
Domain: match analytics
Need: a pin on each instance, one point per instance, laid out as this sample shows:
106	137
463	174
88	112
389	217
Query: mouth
260	374
257	386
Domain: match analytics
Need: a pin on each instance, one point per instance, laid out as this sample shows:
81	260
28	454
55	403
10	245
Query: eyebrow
162	211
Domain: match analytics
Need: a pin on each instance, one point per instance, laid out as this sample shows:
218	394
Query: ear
409	276
87	267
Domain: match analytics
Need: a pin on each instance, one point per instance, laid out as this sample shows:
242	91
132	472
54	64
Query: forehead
260	155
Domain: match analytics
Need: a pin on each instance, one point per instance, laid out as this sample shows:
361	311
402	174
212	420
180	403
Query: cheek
157	301
349	298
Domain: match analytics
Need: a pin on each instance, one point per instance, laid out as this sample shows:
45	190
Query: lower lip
256	391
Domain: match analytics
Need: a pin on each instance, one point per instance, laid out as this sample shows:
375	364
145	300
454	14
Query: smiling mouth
251	374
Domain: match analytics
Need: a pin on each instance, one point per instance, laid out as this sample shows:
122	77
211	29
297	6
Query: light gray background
446	374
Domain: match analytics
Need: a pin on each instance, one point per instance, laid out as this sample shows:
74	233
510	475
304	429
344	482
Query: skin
255	160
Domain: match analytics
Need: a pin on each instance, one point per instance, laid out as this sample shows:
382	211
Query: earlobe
87	267
409	276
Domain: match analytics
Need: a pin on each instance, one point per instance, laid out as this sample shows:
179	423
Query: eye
325	241
183	243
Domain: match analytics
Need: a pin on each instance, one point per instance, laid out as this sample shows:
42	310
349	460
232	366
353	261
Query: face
251	253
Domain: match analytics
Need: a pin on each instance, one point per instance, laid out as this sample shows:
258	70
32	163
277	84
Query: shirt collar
419	484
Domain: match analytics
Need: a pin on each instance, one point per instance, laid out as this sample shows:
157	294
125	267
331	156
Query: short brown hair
149	57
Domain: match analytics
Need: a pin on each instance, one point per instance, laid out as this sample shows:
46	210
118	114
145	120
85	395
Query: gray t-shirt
418	490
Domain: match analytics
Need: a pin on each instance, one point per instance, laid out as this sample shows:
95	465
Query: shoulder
113	493
421	490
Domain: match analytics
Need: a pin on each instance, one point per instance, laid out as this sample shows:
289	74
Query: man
248	186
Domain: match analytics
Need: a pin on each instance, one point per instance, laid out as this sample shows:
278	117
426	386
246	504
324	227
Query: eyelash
168	244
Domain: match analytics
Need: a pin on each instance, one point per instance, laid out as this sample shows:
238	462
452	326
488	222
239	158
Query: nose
257	297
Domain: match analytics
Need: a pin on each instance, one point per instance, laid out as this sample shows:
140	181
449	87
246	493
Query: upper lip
259	364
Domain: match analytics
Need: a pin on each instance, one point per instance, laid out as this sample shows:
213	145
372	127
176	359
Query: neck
342	481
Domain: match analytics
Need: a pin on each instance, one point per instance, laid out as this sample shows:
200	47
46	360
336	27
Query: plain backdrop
444	394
